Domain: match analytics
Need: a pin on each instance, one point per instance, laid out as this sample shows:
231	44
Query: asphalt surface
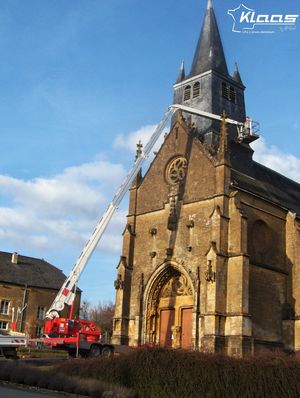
13	392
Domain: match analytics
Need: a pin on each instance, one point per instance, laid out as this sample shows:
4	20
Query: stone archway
169	304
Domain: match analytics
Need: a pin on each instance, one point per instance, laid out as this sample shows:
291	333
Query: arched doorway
170	305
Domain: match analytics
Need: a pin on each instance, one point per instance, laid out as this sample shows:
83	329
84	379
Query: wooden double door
167	323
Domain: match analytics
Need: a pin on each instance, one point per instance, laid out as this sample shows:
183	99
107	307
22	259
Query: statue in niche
119	283
173	219
210	275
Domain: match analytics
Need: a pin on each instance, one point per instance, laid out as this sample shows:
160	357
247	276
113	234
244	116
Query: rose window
176	170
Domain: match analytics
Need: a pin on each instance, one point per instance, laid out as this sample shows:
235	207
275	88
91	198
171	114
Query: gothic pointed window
196	90
187	93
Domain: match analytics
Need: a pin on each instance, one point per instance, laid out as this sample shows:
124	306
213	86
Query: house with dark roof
211	250
28	287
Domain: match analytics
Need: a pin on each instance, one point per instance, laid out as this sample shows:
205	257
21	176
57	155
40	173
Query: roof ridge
277	172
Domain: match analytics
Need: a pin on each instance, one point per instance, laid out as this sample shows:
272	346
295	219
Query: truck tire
106	352
95	351
10	353
11	356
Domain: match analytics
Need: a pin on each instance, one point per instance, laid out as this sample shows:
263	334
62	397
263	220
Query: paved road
9	392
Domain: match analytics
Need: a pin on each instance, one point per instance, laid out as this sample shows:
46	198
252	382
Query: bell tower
209	86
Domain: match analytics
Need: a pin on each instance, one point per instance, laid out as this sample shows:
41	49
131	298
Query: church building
211	249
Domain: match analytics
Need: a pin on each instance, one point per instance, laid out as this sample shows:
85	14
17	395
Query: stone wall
237	251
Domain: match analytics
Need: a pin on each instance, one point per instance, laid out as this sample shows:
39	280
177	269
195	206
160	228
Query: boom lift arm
246	132
67	292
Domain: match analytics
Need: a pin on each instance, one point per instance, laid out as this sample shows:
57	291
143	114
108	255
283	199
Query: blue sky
82	80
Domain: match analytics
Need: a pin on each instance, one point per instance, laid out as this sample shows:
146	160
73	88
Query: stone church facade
211	249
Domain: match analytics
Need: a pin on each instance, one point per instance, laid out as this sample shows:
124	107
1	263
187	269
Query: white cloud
50	213
112	239
76	190
284	163
143	134
130	140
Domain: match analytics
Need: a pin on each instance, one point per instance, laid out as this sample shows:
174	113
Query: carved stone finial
139	149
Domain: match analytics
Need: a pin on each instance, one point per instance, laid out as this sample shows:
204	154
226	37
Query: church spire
236	74
209	52
181	75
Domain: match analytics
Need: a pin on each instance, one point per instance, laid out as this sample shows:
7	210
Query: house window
187	93
3	325
4	307
41	313
196	90
39	331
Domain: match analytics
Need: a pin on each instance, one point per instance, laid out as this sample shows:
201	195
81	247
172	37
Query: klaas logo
247	20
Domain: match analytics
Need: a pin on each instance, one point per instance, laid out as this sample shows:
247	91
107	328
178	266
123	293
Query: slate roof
262	181
209	53
30	271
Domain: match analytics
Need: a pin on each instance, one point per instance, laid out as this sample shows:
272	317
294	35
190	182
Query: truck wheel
95	351
106	352
10	353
